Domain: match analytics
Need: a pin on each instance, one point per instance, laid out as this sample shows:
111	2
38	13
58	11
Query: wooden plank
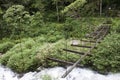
82	46
76	52
92	34
95	32
92	41
105	33
89	37
62	61
102	32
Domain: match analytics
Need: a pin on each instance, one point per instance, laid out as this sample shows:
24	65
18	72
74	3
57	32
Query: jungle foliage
107	57
33	30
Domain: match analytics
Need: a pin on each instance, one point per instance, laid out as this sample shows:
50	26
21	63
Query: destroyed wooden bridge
94	37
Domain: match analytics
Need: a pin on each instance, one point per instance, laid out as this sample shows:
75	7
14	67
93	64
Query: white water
55	73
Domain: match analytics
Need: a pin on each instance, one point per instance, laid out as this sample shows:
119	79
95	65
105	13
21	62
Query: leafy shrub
4	47
36	26
4	59
23	61
78	28
46	77
16	19
52	39
107	57
22	57
54	32
40	39
116	25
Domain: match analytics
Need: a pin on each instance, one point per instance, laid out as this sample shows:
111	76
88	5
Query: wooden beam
91	35
62	61
92	41
76	52
82	46
104	32
95	31
99	33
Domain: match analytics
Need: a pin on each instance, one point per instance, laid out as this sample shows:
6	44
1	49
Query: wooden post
57	10
100	7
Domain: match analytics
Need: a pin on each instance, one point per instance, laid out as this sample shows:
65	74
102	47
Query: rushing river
55	73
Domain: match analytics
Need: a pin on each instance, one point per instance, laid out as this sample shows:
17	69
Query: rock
39	69
75	42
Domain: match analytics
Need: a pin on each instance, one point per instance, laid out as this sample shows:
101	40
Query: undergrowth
26	54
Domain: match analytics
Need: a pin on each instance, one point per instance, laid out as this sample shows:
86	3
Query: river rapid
55	74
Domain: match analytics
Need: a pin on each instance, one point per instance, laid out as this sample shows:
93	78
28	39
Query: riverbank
55	74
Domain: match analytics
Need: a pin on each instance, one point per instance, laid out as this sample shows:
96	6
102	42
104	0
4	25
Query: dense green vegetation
48	43
107	56
32	31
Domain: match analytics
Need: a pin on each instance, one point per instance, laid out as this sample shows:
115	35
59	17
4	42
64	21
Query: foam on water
55	73
7	74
